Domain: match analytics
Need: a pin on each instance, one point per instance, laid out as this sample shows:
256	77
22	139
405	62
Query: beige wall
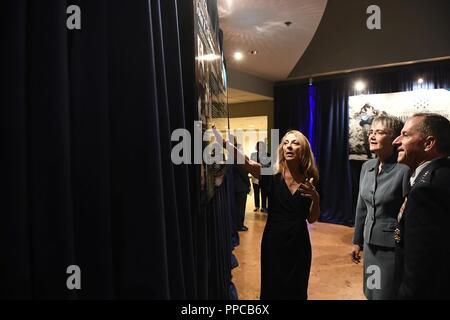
250	83
253	109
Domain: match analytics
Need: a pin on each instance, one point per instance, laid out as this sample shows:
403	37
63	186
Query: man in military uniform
423	245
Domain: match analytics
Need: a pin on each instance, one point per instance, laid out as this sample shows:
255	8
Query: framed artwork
211	83
364	108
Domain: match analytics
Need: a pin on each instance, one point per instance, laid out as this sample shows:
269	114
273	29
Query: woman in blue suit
383	185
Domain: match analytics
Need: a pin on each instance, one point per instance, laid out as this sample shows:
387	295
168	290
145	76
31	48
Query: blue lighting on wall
312	108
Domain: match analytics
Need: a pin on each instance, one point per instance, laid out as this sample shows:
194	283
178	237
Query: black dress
285	247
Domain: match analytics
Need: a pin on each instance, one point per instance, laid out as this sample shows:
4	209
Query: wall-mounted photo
364	108
210	74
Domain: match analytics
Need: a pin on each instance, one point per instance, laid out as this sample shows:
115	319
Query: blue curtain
320	111
85	124
332	132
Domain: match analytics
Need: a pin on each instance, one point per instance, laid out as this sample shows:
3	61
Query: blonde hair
393	124
307	163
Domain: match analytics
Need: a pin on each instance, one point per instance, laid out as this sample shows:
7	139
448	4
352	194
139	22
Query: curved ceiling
260	25
411	31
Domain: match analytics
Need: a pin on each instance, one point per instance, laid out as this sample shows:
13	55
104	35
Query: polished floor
333	275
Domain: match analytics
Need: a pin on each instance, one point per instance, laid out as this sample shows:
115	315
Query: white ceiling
260	25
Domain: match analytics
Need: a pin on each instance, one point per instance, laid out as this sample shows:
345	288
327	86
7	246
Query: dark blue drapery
320	112
85	124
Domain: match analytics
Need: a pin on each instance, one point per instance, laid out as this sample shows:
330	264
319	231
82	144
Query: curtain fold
91	168
319	111
15	237
335	180
86	119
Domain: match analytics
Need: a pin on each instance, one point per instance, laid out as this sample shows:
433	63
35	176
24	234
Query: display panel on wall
364	108
211	84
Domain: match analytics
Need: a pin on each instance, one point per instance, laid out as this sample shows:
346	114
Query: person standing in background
241	189
259	185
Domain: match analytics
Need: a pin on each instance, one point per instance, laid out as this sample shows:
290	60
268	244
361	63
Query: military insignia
424	178
397	235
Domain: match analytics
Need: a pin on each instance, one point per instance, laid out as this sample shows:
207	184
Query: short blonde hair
393	124
307	163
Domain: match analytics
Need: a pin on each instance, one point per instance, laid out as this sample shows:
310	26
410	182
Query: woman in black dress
285	247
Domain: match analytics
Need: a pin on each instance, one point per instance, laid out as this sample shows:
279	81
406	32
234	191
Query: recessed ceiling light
253	52
238	56
420	81
359	85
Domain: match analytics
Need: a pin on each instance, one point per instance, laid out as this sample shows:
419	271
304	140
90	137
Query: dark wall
410	30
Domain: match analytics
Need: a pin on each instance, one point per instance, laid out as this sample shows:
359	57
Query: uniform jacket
423	245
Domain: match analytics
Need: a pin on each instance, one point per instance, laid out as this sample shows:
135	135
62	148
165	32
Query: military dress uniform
422	259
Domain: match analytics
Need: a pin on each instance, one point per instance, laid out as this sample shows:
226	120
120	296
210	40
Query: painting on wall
210	74
364	108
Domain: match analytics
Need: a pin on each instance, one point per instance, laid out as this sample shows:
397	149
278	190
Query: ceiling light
253	52
420	81
238	56
360	86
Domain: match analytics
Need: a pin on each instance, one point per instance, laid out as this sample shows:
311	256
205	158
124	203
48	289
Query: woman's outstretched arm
250	166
